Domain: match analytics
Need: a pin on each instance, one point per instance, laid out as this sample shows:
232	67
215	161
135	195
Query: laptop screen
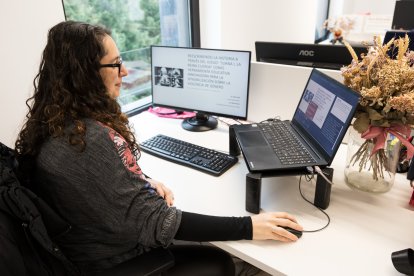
325	111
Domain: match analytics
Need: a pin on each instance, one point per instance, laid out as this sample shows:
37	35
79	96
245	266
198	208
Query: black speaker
403	261
323	189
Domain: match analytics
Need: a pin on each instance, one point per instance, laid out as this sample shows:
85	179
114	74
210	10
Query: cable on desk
230	121
224	121
274	119
238	121
309	178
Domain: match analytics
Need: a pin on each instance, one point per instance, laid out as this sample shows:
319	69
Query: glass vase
374	173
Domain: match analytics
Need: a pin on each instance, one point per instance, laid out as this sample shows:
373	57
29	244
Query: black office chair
154	262
21	254
27	228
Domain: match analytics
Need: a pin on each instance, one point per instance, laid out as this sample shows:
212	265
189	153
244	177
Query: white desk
365	229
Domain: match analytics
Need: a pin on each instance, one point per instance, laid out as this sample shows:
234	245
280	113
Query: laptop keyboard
285	144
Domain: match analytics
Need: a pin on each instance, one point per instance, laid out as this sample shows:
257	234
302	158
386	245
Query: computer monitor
403	18
306	54
206	81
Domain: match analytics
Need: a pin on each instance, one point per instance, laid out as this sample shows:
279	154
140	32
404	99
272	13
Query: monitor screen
206	81
403	18
325	111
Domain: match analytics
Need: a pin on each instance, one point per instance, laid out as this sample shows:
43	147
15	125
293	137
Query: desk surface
365	229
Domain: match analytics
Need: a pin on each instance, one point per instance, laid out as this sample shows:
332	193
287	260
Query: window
135	26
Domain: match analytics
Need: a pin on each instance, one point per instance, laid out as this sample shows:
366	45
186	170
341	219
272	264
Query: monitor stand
200	122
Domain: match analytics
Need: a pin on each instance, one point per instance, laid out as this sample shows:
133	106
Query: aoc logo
306	53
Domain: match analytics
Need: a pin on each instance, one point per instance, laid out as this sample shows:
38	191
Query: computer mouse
295	232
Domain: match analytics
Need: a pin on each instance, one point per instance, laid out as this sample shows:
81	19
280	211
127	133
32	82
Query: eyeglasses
113	65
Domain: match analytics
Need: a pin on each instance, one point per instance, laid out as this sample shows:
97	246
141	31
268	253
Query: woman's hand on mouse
266	226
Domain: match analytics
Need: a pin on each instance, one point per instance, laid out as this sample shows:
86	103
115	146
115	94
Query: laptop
320	121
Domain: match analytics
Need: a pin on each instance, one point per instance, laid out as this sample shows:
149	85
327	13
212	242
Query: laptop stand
254	181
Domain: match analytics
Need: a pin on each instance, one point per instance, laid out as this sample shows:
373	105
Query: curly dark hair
69	89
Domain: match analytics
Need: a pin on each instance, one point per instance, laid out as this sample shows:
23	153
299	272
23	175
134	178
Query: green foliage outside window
134	24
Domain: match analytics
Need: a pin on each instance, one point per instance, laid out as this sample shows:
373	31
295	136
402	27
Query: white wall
369	6
339	7
237	24
24	25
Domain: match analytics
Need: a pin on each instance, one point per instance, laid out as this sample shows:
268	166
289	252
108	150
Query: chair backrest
28	225
155	262
20	254
23	231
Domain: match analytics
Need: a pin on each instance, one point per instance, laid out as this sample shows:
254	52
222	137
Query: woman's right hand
162	190
266	226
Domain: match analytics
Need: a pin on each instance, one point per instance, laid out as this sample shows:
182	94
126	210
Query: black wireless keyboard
187	154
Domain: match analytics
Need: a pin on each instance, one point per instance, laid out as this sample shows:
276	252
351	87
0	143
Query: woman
81	154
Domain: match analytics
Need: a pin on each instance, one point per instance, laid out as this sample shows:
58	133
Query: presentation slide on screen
341	109
201	79
328	112
316	103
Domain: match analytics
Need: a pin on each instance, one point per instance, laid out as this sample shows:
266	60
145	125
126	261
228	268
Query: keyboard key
285	144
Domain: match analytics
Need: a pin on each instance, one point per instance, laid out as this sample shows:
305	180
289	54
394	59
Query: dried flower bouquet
386	86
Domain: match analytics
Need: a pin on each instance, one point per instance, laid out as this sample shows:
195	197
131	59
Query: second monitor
206	81
325	56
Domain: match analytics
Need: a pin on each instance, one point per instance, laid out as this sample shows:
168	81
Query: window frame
194	15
